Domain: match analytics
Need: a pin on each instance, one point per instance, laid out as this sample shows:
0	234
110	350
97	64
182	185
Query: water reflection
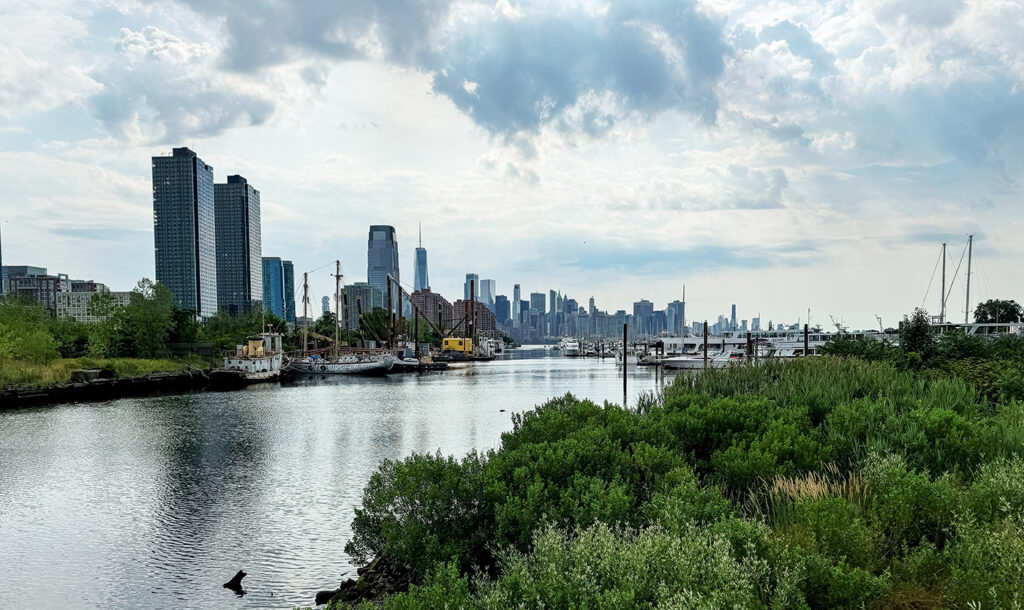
157	502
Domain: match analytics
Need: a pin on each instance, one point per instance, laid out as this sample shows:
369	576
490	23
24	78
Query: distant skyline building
361	296
279	288
677	324
502	309
732	320
488	290
434	307
475	280
382	261
184	230
516	306
420	280
325	304
239	246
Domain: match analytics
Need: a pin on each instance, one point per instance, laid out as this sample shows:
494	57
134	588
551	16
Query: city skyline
785	155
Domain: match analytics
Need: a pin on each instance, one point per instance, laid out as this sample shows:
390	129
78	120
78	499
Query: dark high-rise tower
239	251
184	230
382	261
420	280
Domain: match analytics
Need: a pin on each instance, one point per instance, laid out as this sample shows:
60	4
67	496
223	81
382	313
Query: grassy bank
22	373
819	483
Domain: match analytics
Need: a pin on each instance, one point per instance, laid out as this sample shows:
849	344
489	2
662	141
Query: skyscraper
732	320
487	291
678	323
325	305
502	308
184	230
592	308
642	312
279	288
382	261
239	251
420	281
475	279
516	307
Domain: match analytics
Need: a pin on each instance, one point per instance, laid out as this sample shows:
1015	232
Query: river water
156	502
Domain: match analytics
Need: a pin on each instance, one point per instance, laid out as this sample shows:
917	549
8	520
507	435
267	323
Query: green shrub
904	506
423	511
987	563
997	491
599	568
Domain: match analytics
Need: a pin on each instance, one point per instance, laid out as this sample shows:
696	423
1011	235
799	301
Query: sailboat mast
970	250
305	314
942	296
337	304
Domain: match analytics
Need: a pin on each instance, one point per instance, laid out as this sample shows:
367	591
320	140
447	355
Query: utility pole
942	311
970	250
472	314
391	317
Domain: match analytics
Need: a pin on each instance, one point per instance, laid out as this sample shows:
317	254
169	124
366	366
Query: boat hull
323	367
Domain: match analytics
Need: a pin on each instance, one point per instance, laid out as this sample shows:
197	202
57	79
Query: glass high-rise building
382	261
502	308
421	282
487	292
184	230
239	249
279	288
516	311
360	296
475	279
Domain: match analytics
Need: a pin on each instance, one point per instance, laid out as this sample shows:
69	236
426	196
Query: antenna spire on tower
420	225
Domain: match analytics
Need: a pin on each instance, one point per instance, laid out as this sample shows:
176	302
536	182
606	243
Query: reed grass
21	373
775	500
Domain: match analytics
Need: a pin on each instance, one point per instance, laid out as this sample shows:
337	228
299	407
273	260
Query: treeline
147	327
817	483
151	326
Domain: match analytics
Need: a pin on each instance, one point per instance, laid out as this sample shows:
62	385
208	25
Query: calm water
156	502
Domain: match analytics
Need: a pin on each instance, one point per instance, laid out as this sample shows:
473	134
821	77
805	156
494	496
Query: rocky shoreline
93	385
376	580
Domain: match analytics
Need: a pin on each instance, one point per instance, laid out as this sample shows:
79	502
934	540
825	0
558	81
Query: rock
235	584
83	375
322	597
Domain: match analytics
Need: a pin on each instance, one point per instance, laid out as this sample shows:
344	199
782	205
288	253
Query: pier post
625	338
705	344
806	343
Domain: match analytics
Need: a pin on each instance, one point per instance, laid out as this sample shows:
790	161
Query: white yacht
571	347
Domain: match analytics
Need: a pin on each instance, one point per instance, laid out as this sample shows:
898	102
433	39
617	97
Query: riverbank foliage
818	483
148	334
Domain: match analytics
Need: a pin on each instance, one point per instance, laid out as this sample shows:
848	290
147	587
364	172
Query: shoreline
161	382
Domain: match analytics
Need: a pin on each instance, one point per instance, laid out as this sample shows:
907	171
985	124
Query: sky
783	155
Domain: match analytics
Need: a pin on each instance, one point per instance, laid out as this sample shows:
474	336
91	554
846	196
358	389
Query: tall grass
21	373
822	383
774	502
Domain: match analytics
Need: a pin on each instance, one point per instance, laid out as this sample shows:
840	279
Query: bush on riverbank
823	482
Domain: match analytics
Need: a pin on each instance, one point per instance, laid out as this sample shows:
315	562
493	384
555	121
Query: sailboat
349	361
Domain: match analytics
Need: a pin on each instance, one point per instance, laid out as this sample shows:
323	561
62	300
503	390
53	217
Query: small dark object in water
501	410
235	584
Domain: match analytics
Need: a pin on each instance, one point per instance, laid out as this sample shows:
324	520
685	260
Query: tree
70	336
23	332
998	310
916	335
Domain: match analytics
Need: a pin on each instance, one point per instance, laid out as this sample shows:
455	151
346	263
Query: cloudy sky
781	155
